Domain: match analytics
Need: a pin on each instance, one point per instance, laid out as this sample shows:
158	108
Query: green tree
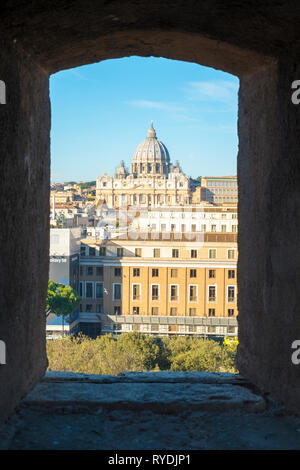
87	185
61	299
61	219
204	355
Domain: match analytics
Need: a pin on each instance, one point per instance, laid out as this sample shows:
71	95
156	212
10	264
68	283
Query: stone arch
258	44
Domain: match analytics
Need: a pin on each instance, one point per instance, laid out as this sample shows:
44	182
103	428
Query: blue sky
101	112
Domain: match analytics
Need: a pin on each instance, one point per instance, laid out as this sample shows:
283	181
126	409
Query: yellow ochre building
160	285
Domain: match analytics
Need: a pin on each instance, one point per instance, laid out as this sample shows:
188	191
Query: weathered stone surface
147	377
259	43
139	414
234	36
154	391
24	232
269	227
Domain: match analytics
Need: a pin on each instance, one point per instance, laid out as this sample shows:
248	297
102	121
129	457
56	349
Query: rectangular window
230	293
154	272
82	250
90	271
88	308
173	311
193	272
80	289
99	308
102	251
192	312
138	252
81	271
120	252
175	253
89	290
156	253
193	253
230	312
193	228
231	254
154	311
54	239
173	292
117	291
99	290
193	293
136	292
212	274
173	272
212	253
155	292
117	272
136	272
234	228
211	312
223	228
213	228
231	274
117	310
212	293
92	251
99	270
136	310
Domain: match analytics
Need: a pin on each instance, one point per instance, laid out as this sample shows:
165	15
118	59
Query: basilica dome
151	153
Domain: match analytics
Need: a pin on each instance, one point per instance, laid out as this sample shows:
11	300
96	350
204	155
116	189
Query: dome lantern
151	156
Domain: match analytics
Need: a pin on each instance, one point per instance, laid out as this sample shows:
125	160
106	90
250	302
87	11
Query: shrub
137	352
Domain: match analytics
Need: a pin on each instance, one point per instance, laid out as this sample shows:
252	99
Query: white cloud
219	90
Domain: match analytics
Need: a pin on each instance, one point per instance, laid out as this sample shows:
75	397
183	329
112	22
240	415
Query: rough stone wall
24	230
233	36
269	228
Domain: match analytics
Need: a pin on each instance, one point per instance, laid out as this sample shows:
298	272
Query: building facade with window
219	189
161	286
203	217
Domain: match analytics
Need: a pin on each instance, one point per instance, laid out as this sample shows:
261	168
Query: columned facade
153	180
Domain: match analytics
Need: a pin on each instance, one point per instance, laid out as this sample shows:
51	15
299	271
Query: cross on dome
151	132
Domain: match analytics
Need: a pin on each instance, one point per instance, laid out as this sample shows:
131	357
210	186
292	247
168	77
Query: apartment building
205	217
219	189
161	283
64	269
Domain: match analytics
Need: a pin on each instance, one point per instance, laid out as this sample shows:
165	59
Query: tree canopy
135	351
61	299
